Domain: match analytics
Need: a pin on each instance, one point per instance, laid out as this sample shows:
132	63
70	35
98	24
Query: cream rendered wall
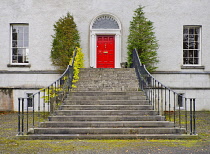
168	17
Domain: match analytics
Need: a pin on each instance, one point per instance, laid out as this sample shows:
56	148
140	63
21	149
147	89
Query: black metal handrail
44	101
174	106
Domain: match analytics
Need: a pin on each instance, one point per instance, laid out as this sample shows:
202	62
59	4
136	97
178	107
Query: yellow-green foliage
50	93
78	63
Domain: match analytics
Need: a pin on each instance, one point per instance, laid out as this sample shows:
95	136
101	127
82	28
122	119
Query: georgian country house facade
182	28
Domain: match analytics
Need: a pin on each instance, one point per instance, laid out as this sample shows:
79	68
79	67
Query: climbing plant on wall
65	40
142	37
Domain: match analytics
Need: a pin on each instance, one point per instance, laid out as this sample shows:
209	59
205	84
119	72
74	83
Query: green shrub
143	39
65	40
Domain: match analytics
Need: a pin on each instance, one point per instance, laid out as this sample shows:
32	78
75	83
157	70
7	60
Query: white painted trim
93	35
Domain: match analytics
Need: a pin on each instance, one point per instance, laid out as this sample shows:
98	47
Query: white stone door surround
105	24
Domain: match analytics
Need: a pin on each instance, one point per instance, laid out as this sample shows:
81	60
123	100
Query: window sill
192	67
18	65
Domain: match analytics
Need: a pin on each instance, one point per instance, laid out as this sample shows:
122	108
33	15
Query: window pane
14	59
196	61
185	45
14	51
26	29
190	53
26	55
185	31
19	43
192	45
25	44
14	29
185	38
14	43
191	31
195	53
20	55
185	60
196	45
180	100
25	36
20	59
191	61
14	36
20	36
20	52
20	29
29	100
185	53
196	37
197	30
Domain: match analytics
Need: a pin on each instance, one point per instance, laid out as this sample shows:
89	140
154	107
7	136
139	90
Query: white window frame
199	48
26	52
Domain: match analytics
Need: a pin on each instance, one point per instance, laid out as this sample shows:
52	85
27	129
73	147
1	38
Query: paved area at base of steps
9	145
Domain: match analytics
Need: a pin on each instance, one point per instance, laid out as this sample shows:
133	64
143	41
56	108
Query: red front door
105	51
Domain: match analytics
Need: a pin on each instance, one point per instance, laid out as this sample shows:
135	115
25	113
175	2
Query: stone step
107	84
107	136
105	89
106	118
93	130
105	112
104	78
106	102
101	93
130	87
114	124
106	107
108	97
107	70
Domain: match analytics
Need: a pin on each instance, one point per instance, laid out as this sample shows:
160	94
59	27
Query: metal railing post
19	116
39	106
22	131
180	111
174	109
194	118
169	98
186	127
33	110
27	113
191	118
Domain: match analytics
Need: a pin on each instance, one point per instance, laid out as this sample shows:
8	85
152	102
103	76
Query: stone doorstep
105	112
106	107
106	97
106	102
146	124
94	130
107	136
106	118
101	93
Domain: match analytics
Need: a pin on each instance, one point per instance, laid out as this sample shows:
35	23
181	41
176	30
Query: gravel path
10	145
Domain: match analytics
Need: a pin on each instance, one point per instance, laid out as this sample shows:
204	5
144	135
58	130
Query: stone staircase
106	105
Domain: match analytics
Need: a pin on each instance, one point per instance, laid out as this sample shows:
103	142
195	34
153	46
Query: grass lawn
9	144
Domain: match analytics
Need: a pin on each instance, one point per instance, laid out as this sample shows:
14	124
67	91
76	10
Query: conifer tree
65	40
143	39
